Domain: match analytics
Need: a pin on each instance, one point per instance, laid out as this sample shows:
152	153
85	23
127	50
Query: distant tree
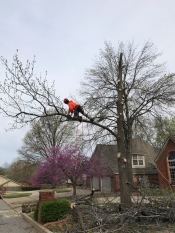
21	171
157	130
2	171
45	133
164	127
65	163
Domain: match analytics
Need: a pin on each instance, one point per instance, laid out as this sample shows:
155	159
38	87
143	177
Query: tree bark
125	197
129	152
74	190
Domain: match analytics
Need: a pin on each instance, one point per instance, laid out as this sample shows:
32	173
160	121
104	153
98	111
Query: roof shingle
109	155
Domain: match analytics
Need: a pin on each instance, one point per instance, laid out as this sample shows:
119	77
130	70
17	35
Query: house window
171	161
138	161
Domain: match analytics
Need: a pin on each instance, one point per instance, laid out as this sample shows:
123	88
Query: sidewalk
11	221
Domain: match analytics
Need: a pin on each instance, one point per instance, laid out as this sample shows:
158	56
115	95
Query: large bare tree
123	86
127	87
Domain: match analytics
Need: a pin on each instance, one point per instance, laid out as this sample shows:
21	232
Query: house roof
4	180
172	138
109	154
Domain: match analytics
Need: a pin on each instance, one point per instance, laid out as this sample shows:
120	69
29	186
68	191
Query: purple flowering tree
67	163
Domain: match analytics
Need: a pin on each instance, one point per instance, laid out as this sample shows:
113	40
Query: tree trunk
125	197
74	190
129	152
128	139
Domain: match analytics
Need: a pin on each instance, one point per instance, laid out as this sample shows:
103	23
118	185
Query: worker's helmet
66	100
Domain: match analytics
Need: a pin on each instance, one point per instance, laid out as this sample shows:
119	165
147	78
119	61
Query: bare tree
123	86
126	87
46	133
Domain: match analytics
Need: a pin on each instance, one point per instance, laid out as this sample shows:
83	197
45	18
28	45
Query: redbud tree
65	163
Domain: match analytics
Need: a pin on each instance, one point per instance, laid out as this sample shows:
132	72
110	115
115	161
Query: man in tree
76	109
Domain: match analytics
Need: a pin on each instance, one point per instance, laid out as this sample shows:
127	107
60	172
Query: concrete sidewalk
11	221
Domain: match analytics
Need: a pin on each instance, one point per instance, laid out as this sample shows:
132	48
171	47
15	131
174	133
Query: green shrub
36	212
53	210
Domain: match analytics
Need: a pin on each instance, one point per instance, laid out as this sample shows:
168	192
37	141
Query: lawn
16	195
62	190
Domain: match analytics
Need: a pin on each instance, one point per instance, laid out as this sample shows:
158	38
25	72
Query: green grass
31	215
62	190
16	195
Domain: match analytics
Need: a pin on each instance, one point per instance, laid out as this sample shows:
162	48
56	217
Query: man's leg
80	109
86	115
76	114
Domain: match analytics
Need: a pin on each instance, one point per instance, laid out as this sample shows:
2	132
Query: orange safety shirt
72	105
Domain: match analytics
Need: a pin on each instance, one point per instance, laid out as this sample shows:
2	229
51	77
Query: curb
35	224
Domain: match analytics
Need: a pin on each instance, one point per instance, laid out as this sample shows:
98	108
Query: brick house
165	162
143	165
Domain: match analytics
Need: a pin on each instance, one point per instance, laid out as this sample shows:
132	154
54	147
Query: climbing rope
77	134
82	130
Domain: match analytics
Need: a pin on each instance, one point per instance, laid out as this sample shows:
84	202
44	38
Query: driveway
11	221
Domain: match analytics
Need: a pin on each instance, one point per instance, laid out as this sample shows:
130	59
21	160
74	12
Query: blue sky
65	36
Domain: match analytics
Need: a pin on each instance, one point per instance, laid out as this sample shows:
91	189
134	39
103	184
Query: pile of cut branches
103	213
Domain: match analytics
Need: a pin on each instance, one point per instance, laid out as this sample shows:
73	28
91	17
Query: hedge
36	212
31	188
54	210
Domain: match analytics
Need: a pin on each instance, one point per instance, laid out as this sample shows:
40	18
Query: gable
168	147
12	184
3	180
109	155
7	182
